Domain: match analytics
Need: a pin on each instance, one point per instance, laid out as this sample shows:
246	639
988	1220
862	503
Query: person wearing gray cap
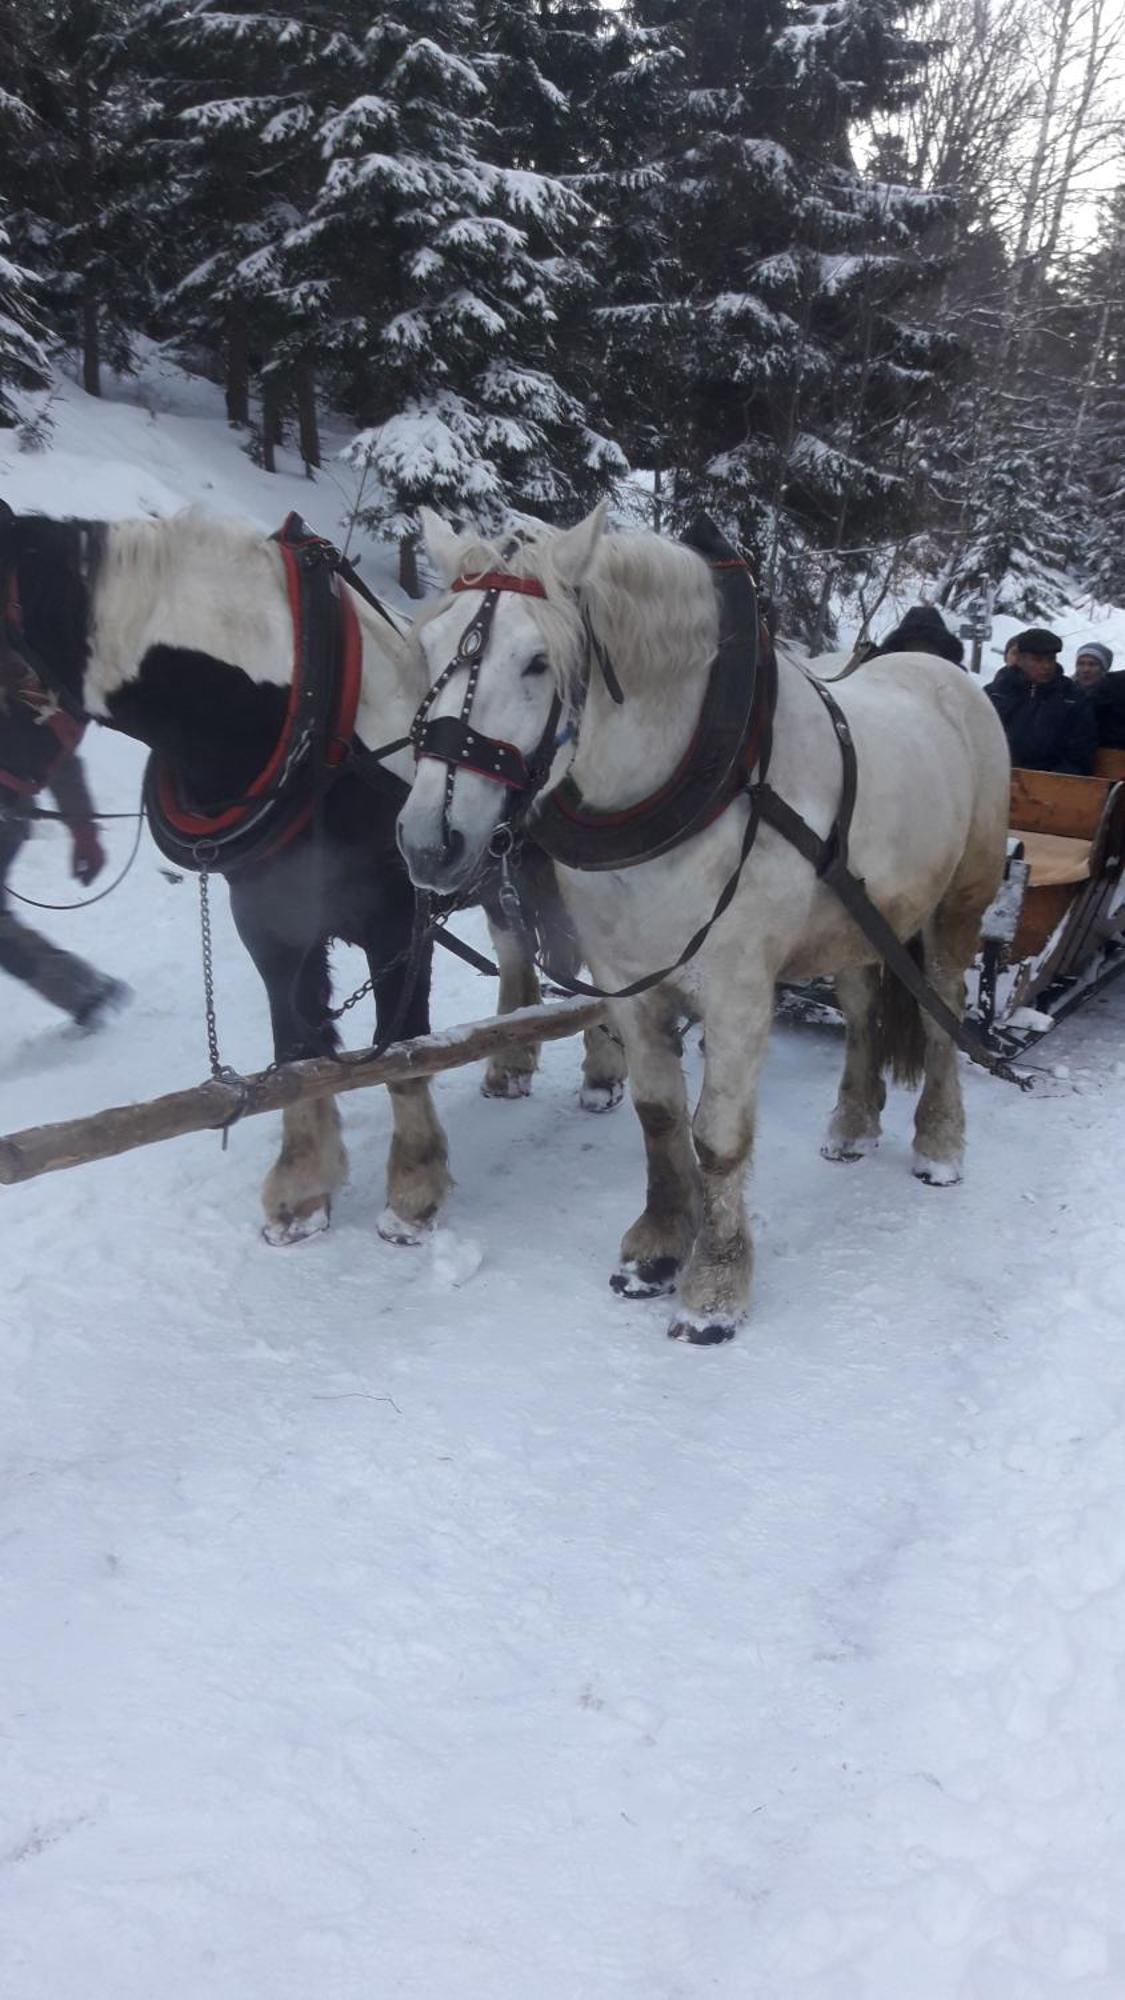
1104	692
1092	663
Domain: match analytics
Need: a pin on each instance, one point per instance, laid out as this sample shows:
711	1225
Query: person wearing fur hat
1049	722
923	630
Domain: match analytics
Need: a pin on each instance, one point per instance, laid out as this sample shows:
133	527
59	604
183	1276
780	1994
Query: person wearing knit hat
1092	663
1048	720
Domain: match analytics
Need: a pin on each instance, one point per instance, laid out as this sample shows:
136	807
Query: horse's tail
902	1036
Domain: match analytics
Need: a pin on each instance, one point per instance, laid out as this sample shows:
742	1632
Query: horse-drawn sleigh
718	823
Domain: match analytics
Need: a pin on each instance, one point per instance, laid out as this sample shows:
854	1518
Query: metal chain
217	1067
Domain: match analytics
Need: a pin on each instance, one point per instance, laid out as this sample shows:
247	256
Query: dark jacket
1107	699
923	630
1049	726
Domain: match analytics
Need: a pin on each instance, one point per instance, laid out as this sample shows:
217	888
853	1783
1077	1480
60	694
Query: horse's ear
443	545
573	551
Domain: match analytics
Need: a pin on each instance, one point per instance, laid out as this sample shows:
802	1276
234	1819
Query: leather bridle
451	739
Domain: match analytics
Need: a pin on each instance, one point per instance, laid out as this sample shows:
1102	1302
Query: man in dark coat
58	976
923	630
1048	721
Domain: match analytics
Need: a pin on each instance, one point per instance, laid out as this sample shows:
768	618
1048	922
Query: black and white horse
181	634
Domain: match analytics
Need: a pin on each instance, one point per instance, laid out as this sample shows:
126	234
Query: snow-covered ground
422	1625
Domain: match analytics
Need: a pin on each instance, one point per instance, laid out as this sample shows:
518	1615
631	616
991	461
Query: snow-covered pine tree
234	166
73	215
786	360
1096	453
23	363
439	273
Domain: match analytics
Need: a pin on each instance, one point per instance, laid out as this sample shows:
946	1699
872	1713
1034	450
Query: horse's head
44	600
504	653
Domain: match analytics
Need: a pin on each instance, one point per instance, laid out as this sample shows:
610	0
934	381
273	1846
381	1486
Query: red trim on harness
498	579
196	826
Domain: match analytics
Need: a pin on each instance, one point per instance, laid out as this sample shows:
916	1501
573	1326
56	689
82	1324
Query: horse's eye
536	666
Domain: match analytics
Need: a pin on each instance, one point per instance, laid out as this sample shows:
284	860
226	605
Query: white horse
180	632
928	836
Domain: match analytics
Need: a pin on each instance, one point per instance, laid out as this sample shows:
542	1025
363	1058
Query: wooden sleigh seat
1073	836
1055	860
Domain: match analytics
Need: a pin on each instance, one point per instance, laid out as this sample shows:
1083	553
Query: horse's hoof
645	1278
396	1229
848	1149
601	1096
699	1331
295	1225
509	1083
936	1173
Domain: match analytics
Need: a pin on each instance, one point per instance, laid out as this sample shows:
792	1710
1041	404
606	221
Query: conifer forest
849	275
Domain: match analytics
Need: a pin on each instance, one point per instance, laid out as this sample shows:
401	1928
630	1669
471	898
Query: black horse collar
731	738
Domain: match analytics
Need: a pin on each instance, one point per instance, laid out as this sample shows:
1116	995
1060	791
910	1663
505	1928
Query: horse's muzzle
442	868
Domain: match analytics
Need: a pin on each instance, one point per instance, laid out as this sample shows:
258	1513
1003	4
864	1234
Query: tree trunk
91	347
91	329
307	425
238	371
271	422
408	577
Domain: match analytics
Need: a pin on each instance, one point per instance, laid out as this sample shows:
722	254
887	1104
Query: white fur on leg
311	1165
937	1173
418	1178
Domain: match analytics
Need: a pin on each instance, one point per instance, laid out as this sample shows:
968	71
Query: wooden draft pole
45	1149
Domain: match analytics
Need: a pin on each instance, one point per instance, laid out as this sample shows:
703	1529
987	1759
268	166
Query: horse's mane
152	548
649	601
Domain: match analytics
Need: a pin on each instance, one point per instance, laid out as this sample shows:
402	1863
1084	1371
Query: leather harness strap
728	738
828	855
315	739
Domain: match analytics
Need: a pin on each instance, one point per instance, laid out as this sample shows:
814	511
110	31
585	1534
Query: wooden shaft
44	1149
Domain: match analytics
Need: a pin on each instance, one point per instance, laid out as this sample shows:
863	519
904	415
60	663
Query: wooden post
44	1149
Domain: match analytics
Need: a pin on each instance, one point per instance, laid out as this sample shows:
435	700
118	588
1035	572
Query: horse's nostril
454	844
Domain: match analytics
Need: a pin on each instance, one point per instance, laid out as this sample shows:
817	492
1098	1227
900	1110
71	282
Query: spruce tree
776	332
440	273
23	363
72	192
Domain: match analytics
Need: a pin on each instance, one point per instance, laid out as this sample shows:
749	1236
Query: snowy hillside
422	1625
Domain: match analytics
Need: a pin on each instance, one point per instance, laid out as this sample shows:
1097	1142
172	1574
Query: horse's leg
658	1242
853	1128
715	1286
950	942
510	1075
418	1177
603	1068
312	1164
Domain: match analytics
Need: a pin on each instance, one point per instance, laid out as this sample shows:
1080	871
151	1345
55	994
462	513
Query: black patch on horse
216	725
